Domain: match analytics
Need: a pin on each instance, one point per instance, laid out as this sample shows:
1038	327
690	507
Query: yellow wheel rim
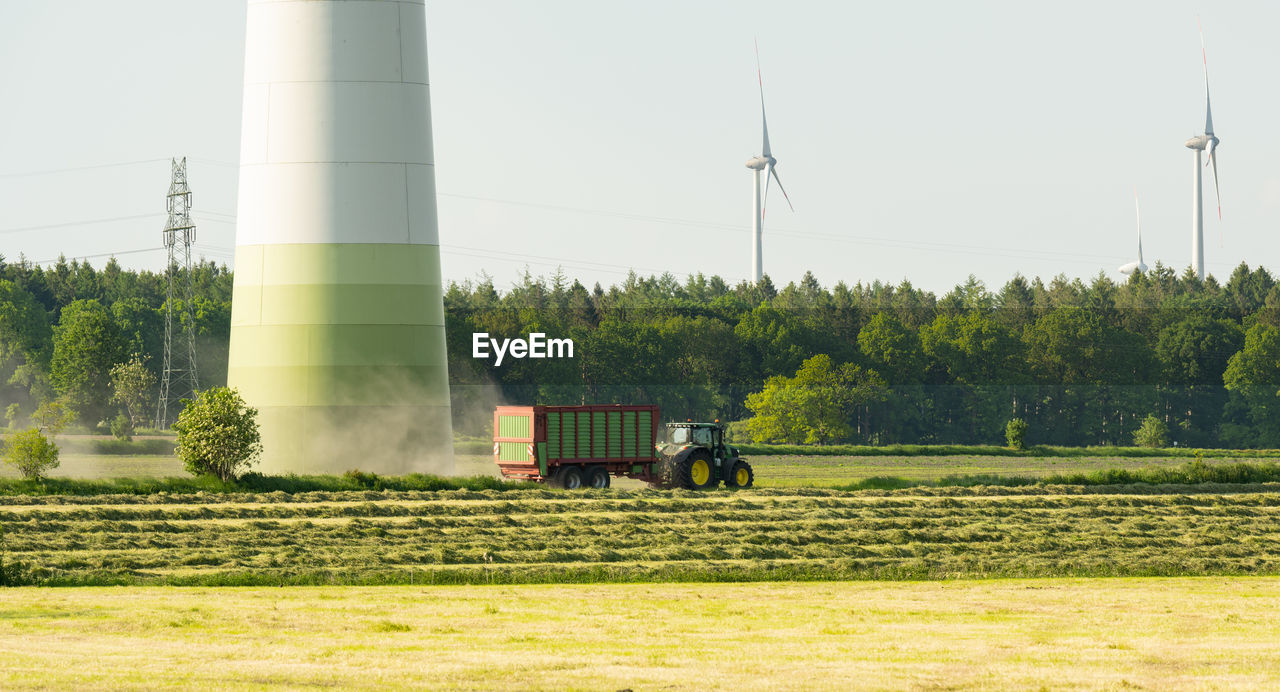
700	472
742	476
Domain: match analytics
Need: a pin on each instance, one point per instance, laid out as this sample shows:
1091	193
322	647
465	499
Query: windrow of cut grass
995	450
250	483
1190	473
537	536
842	472
789	474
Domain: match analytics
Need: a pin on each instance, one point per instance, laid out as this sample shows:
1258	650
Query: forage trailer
585	446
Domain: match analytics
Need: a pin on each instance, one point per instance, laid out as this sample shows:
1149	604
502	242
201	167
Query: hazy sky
920	140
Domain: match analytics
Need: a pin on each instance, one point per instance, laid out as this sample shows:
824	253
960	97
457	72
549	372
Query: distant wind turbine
764	162
1139	265
1198	144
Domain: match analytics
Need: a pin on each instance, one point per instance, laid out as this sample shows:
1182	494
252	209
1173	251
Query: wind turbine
1139	265
1198	144
764	162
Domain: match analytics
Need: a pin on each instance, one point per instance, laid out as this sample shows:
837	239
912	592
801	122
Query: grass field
783	471
537	536
1160	634
793	471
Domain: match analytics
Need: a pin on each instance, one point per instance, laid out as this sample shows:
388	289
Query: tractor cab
708	436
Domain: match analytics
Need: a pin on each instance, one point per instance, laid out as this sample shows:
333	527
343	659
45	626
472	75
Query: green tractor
695	457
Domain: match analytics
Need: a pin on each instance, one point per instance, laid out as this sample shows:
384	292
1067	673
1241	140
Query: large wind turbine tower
763	163
1198	144
337	325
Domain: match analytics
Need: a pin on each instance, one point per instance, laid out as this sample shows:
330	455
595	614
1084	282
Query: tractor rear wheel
740	476
696	472
597	477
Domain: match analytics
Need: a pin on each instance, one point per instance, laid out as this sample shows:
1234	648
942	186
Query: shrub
218	434
130	384
122	428
1152	433
32	453
52	417
1015	433
364	479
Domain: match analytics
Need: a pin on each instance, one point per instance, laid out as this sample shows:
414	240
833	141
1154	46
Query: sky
924	141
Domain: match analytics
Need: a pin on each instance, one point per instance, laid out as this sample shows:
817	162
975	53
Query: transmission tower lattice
179	380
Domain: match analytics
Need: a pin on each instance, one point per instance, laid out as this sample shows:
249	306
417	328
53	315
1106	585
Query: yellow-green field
1157	634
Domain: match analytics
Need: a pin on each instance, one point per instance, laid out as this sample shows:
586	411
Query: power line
68	224
91	222
80	168
99	255
545	261
118	164
215	162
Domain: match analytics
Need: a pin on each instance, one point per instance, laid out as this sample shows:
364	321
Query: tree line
92	340
875	363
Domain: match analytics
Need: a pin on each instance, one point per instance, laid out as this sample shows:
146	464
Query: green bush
1015	433
218	434
1152	433
122	428
31	453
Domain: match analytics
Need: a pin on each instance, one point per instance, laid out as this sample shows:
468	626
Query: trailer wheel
741	476
596	477
696	472
569	478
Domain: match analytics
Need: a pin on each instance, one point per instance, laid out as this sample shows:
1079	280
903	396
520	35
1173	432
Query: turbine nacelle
759	163
1202	142
1132	267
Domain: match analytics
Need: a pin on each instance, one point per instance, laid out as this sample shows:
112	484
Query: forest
874	363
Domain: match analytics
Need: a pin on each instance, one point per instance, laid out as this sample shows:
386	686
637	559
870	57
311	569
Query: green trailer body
550	443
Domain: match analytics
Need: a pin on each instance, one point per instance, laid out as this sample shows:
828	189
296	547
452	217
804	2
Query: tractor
695	457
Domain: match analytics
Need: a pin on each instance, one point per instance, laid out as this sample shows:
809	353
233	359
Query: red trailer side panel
530	442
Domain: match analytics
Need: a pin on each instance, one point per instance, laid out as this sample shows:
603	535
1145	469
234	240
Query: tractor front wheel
740	476
696	472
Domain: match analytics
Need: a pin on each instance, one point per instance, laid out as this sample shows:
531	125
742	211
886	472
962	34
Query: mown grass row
748	535
1191	473
998	451
250	483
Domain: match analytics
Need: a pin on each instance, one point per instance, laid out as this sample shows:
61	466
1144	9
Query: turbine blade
773	171
1138	211
763	120
1208	111
1213	161
764	202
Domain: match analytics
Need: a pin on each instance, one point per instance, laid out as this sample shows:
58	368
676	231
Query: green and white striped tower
337	323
